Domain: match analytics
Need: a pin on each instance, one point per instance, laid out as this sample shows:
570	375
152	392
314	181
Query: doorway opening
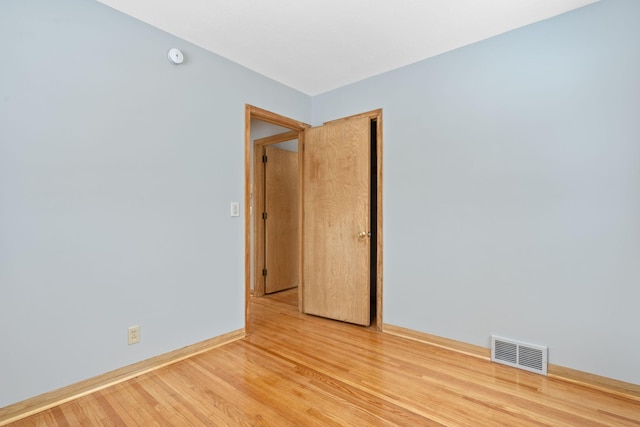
275	202
285	129
279	125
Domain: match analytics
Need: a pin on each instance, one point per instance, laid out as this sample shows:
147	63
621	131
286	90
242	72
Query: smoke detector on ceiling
175	56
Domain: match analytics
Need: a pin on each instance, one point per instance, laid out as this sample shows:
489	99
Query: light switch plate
235	209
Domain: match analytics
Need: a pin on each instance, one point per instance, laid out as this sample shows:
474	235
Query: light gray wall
512	188
288	145
116	173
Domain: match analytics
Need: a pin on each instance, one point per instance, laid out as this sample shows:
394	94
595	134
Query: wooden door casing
297	127
258	199
281	222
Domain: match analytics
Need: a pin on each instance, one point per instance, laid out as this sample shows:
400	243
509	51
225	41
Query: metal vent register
529	357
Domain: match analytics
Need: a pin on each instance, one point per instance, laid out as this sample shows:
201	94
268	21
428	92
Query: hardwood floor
306	371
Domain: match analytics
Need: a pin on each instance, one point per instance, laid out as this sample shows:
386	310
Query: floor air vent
521	355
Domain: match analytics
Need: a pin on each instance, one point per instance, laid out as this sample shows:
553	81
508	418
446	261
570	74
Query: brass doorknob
364	234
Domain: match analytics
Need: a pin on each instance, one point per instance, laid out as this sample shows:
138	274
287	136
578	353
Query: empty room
320	213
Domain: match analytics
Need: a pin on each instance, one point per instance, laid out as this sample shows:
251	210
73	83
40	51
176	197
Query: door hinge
264	271
264	215
264	159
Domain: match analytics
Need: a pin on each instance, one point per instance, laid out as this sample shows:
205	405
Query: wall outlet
133	333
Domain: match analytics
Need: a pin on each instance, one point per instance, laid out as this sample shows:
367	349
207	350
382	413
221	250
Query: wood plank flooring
298	370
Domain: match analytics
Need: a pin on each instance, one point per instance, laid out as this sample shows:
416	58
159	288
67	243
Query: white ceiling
318	45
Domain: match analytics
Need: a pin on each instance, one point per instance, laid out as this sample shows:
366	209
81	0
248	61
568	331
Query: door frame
259	206
252	112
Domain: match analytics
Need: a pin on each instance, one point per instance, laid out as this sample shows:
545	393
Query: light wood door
336	220
281	222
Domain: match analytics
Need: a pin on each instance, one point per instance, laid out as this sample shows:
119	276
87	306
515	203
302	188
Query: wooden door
281	219
336	220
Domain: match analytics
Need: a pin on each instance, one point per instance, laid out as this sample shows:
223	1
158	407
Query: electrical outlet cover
133	334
